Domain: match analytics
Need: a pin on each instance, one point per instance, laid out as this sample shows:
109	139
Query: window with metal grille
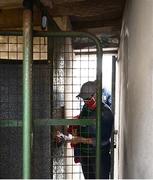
11	47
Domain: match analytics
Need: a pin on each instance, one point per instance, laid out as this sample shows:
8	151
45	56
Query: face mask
91	103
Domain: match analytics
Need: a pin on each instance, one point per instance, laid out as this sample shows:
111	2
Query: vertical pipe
113	83
27	87
50	63
113	110
98	111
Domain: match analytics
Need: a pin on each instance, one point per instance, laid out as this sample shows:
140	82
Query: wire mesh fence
73	66
57	77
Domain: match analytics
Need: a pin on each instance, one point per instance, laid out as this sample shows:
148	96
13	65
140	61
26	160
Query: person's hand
78	140
58	138
62	137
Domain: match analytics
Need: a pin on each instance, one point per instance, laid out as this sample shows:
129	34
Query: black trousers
89	165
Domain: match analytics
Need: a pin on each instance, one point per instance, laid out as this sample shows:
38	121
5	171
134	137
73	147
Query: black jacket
90	131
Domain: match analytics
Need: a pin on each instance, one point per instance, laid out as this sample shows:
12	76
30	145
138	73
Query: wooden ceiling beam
86	8
78	25
12	18
9	4
66	1
106	31
107	16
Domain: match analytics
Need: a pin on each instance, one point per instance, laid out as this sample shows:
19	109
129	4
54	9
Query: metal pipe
99	111
50	61
54	34
48	122
113	83
27	88
113	110
11	33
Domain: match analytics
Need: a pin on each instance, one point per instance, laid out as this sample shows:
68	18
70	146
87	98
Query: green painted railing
48	122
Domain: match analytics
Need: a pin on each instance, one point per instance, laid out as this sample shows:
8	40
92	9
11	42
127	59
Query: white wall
135	91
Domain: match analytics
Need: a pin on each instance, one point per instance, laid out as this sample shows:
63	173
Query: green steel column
50	61
99	111
27	88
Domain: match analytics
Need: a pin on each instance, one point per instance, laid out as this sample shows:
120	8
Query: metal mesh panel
55	86
11	109
74	63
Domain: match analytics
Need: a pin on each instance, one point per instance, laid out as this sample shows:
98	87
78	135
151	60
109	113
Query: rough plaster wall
136	91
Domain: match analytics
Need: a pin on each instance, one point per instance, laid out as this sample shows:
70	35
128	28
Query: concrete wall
135	92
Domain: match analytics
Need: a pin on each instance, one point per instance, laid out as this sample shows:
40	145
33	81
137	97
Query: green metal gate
72	59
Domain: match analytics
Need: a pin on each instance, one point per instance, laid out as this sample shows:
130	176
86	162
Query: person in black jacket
85	140
88	147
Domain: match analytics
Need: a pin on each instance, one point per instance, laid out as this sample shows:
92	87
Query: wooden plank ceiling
100	17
